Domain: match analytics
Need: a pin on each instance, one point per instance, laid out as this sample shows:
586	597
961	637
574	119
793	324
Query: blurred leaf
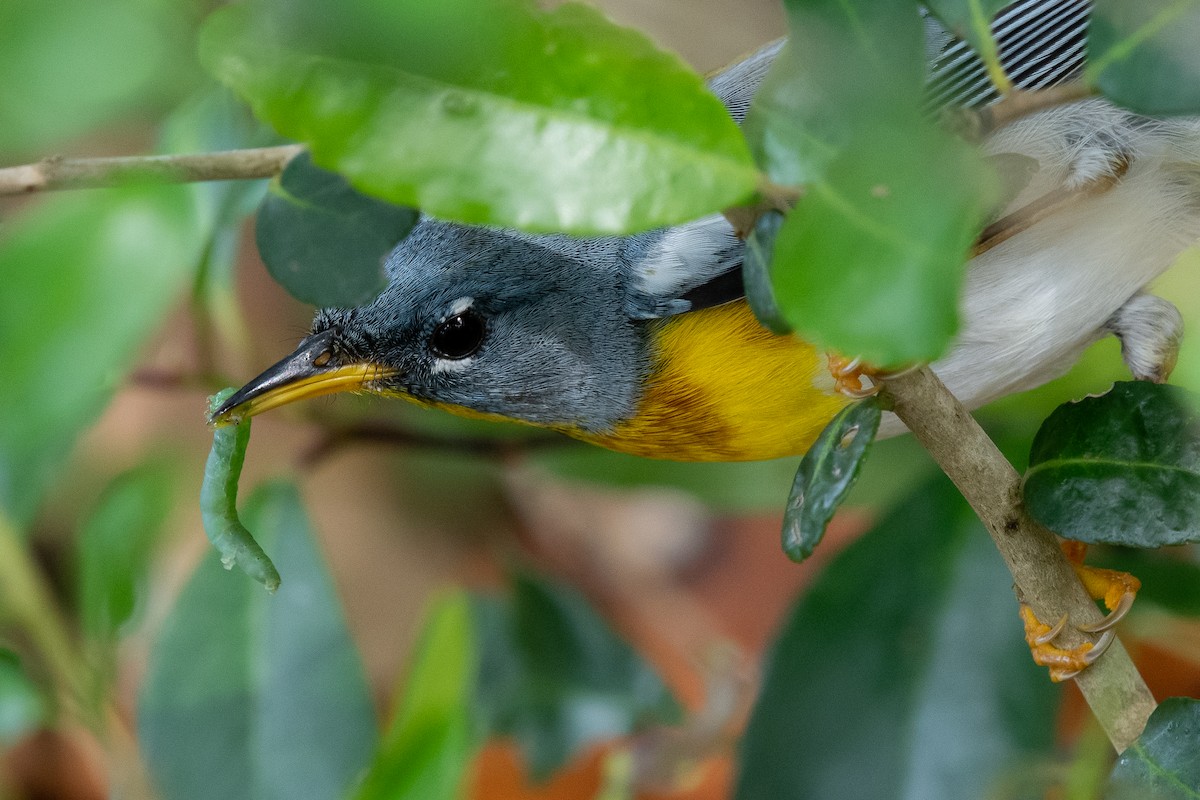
324	242
846	63
1121	468
494	134
71	65
906	655
257	695
970	20
1143	54
870	261
87	277
22	708
1169	582
756	272
556	678
116	544
1162	762
826	474
434	733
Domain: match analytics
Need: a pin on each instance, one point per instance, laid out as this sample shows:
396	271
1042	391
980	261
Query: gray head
528	327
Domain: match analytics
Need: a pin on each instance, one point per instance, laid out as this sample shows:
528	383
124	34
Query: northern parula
645	343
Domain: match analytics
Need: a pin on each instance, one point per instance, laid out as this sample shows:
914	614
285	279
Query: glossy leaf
556	678
827	474
116	543
1143	54
1122	468
62	77
1162	763
434	730
324	242
86	278
494	134
870	262
902	673
257	695
756	273
22	708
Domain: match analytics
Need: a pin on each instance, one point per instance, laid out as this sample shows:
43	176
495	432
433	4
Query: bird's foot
853	378
1150	330
1117	591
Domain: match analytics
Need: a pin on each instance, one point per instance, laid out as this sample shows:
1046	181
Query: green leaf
116	544
972	20
906	656
1121	468
324	242
1143	54
847	63
87	277
870	261
71	65
218	500
434	731
756	273
257	695
492	130
22	707
826	475
1162	762
556	678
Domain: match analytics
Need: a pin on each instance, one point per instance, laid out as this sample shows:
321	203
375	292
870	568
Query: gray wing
695	265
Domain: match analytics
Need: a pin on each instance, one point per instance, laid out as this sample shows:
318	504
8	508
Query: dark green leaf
1143	54
22	708
434	733
218	500
74	64
756	273
826	474
1162	763
323	241
1122	468
491	129
116	543
556	677
871	260
903	671
257	695
87	277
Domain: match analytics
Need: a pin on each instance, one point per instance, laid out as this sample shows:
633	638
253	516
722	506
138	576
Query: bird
646	344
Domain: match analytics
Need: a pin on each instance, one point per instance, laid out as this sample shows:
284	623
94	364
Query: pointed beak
301	375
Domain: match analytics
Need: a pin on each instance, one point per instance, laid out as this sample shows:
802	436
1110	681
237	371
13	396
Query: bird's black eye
459	336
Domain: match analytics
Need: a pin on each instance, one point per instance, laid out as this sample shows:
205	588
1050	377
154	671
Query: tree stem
1042	574
86	173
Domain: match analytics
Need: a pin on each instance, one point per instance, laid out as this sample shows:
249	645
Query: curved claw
1114	616
1099	648
1048	636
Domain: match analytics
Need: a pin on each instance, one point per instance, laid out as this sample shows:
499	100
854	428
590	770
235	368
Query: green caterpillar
218	500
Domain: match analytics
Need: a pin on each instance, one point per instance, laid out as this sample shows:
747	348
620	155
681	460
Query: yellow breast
722	388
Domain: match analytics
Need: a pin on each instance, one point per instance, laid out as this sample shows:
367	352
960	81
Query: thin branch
1044	578
1019	103
57	172
393	436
